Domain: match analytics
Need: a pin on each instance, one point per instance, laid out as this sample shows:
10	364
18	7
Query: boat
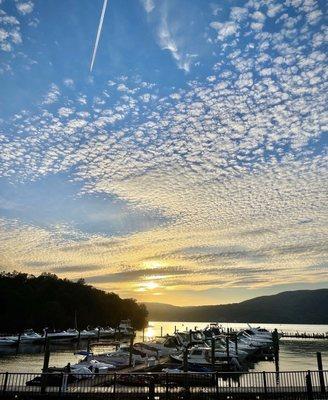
125	328
60	337
29	336
103	332
118	358
250	337
91	366
198	355
159	347
187	337
84	334
7	341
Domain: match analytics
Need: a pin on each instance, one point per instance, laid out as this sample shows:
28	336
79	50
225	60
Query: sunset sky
188	167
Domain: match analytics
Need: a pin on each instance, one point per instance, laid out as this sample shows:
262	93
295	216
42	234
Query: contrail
98	33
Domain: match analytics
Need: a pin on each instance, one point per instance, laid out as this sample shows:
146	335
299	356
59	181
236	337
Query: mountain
295	307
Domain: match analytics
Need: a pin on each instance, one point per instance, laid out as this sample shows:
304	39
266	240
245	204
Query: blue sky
189	166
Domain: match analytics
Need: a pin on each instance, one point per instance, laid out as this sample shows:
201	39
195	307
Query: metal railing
249	385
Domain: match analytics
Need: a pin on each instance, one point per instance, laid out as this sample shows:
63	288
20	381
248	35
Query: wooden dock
304	335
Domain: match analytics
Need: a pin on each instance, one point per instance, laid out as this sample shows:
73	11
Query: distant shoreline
293	307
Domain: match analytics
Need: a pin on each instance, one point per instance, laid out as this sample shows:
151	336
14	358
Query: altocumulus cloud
234	160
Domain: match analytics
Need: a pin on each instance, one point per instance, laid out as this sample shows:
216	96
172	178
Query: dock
308	385
304	335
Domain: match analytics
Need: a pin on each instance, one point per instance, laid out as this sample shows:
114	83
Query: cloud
68	82
24	7
233	161
53	94
148	5
132	275
167	41
224	29
81	269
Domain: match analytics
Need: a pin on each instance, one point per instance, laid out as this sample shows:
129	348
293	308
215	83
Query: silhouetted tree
28	301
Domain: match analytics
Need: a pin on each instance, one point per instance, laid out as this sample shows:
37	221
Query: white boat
84	334
91	366
118	358
221	349
186	337
198	355
60	337
29	336
125	328
103	332
7	341
159	347
257	340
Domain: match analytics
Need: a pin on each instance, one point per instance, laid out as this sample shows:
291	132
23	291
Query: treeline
28	301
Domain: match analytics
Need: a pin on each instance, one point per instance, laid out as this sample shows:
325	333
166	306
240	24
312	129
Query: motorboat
249	336
103	332
159	347
118	358
198	355
84	334
60	337
239	352
91	366
29	336
125	328
7	341
184	338
213	331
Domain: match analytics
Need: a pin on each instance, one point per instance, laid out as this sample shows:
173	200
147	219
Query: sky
189	166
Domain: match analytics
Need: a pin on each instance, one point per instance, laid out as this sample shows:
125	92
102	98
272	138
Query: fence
164	386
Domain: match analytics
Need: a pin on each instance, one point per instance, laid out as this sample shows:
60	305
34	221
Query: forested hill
295	307
27	301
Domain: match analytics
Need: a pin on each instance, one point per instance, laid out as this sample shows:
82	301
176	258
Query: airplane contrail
98	33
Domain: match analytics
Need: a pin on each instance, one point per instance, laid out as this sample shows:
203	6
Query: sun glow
153	264
144	286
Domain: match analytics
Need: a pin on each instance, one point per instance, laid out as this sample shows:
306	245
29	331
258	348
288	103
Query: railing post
166	386
5	383
217	383
321	376
265	384
114	386
61	384
151	389
64	381
309	389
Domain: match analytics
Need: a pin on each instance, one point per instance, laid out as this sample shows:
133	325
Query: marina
208	361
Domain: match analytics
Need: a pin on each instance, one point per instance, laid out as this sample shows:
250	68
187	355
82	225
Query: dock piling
46	357
213	351
275	341
185	359
130	350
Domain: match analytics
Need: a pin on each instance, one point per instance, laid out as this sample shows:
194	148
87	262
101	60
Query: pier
163	386
303	335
